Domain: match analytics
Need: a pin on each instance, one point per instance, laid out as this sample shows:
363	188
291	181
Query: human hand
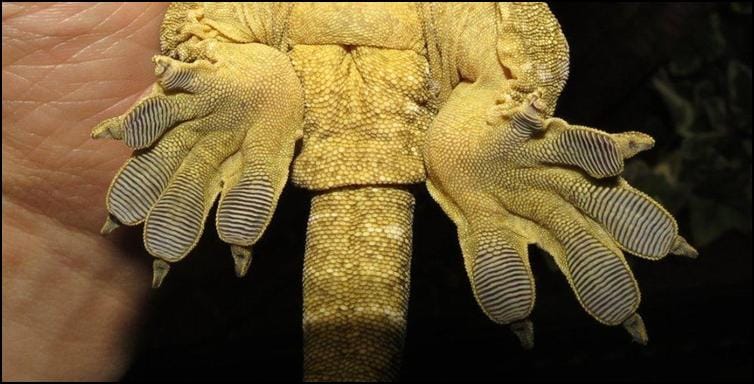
71	299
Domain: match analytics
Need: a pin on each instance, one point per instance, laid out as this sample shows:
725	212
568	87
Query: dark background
679	72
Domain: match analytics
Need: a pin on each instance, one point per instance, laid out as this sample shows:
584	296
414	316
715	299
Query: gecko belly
366	110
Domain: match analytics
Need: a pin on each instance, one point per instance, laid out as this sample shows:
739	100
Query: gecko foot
214	126
512	176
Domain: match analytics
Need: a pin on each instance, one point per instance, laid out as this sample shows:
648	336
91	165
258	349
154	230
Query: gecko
356	102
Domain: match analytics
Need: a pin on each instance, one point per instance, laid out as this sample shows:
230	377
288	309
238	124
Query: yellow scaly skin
458	95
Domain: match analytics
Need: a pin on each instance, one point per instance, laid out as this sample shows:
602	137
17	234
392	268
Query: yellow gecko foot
212	126
508	177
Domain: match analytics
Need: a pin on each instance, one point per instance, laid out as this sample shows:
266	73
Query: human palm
71	299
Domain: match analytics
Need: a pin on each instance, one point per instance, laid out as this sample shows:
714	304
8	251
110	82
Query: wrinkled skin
71	299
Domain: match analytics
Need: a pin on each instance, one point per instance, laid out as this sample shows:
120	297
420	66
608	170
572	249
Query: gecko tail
356	283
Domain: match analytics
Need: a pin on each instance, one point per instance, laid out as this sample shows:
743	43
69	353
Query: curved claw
529	116
177	75
682	248
111	224
160	269
534	103
524	330
111	128
631	143
634	324
241	258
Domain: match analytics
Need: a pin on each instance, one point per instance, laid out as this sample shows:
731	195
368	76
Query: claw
171	77
535	103
631	143
524	330
176	75
160	269
111	223
108	129
242	258
682	248
529	115
635	326
160	65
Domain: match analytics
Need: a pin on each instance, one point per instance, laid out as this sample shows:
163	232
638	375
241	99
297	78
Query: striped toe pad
138	186
245	210
502	281
602	281
176	222
148	121
636	222
589	149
